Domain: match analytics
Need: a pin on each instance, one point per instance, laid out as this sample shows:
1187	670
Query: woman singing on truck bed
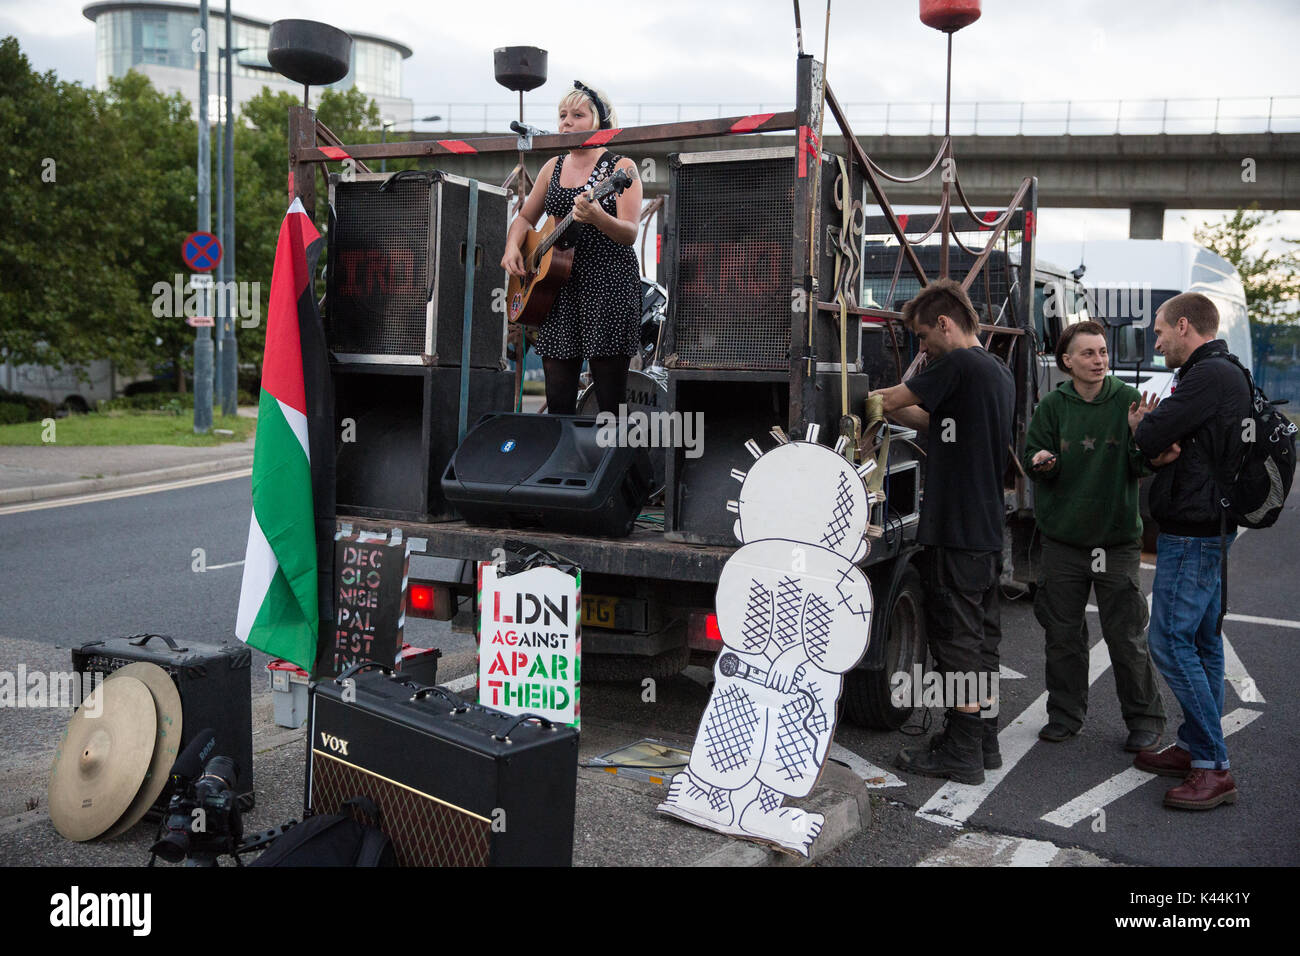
596	315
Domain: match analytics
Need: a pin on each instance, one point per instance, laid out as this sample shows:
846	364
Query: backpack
333	839
1254	493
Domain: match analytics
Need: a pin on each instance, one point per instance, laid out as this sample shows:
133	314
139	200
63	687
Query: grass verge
126	428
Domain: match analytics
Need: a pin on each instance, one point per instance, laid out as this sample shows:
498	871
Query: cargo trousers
1068	574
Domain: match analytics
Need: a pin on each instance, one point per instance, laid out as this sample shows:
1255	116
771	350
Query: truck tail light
430	601
702	631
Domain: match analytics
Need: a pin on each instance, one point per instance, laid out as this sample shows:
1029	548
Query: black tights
608	375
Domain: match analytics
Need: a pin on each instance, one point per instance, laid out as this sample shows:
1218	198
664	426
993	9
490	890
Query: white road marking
218	567
1146	567
953	803
1087	804
1235	673
461	683
1006	673
872	776
1252	619
123	492
987	849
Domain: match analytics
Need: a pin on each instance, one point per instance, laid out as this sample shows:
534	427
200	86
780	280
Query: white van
65	387
1127	280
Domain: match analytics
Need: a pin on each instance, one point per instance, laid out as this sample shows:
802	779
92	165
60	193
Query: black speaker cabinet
397	426
729	274
398	259
456	784
215	684
549	472
736	406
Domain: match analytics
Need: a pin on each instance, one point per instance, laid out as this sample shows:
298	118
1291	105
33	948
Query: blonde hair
576	97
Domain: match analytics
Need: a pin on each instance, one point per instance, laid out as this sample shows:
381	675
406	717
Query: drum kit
116	754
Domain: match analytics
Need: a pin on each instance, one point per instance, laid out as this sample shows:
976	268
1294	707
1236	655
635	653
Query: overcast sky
742	53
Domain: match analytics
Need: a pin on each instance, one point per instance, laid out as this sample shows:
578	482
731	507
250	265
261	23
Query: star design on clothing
1112	442
1089	443
1065	445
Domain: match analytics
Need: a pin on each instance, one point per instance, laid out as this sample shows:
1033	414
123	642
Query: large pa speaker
736	407
729	274
398	263
550	472
456	784
397	426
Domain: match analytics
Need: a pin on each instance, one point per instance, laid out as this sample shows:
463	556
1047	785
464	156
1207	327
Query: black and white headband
601	109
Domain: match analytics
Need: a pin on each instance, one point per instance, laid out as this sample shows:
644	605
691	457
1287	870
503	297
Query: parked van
65	387
1059	298
1127	280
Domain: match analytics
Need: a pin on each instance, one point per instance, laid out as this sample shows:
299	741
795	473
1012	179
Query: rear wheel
867	693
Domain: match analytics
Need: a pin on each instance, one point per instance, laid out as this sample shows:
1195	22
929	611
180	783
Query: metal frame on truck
659	593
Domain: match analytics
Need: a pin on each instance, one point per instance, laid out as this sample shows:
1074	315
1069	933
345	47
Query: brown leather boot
1203	790
1170	762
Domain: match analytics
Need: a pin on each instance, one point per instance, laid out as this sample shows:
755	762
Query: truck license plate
622	614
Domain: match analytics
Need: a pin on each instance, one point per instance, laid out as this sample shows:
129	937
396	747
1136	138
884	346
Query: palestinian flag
287	572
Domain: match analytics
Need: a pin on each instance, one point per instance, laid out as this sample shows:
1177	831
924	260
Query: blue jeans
1186	644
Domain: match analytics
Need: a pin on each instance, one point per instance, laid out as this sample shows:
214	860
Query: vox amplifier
457	784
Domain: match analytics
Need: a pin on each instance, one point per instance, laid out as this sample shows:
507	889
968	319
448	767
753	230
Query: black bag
333	839
1253	493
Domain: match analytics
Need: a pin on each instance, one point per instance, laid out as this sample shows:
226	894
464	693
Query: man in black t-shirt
967	399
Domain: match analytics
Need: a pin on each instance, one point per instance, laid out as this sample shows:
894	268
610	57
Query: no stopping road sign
201	251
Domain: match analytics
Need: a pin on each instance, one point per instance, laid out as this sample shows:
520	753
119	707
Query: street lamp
226	367
389	124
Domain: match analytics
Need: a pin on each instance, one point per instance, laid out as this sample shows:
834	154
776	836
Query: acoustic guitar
547	265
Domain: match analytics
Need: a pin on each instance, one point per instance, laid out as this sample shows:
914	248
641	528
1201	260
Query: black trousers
963	615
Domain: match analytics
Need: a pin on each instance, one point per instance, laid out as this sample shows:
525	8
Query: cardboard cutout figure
794	612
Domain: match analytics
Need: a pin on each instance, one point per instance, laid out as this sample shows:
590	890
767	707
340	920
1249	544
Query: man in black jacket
1205	418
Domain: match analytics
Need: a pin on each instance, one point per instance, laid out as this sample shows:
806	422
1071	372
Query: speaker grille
424	831
733	268
380	290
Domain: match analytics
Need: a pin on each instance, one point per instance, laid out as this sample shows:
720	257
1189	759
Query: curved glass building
159	40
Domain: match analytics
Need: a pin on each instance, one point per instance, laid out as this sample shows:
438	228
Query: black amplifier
457	784
215	685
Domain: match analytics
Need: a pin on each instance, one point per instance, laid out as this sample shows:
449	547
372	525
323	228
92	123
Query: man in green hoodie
1086	469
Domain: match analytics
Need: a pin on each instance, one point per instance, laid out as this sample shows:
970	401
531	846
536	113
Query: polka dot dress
598	311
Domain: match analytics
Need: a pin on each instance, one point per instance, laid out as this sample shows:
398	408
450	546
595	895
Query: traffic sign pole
202	337
229	355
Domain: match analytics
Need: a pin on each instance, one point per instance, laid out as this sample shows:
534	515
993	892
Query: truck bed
644	553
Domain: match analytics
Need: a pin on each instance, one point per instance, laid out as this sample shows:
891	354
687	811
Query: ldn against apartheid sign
530	641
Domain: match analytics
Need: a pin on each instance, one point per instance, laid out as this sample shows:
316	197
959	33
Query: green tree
98	194
161	135
1271	279
67	247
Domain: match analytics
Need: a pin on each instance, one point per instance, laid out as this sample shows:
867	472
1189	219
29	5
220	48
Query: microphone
732	666
189	764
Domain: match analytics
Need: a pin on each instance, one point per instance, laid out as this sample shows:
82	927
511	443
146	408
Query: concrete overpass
1145	173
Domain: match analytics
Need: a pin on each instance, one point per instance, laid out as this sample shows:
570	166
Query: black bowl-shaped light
309	52
520	68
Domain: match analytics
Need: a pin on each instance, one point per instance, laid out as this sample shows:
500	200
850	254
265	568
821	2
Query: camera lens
173	847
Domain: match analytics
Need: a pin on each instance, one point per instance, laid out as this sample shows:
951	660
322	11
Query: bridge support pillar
1146	220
